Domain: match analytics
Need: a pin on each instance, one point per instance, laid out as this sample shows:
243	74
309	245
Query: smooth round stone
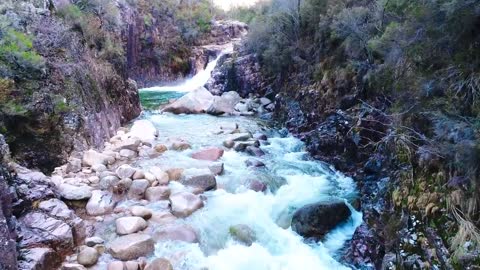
158	193
141	211
159	264
88	256
92	241
129	225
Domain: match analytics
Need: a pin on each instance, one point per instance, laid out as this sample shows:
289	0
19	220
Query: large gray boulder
131	247
129	225
316	220
202	179
74	193
197	101
184	203
224	103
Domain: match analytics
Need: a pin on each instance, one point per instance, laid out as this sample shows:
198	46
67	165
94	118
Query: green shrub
18	55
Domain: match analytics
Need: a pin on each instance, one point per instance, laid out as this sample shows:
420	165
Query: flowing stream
293	179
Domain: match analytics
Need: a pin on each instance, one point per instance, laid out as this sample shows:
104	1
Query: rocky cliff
399	161
62	90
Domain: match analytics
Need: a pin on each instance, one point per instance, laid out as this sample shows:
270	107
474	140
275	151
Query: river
293	179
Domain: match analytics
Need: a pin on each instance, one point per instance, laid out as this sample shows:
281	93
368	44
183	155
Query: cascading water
293	178
198	80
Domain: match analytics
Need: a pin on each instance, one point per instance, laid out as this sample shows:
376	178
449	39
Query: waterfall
199	80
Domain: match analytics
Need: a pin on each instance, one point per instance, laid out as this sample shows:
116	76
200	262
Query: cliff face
407	188
60	91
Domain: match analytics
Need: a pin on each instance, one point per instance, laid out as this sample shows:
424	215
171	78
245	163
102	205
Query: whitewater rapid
293	178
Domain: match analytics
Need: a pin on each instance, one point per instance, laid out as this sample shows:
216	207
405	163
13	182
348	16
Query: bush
17	55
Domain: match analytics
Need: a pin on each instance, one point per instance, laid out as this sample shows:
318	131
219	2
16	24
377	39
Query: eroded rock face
40	229
38	258
316	220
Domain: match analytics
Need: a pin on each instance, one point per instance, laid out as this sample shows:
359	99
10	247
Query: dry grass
467	231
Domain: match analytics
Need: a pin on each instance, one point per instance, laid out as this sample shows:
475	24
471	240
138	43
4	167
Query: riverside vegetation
387	91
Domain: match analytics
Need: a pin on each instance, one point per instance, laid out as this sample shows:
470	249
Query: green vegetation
421	59
18	58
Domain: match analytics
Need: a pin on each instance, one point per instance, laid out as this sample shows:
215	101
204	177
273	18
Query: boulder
127	153
161	176
174	174
160	148
100	203
129	225
242	233
239	137
92	157
38	258
258	186
316	220
125	171
74	193
141	211
87	256
99	168
197	101
175	232
137	189
210	154
150	177
93	241
129	144
144	130
163	217
139	174
40	229
228	144
199	178
159	264
224	103
254	163
57	208
74	165
216	168
184	203
254	151
108	182
132	246
180	145
159	193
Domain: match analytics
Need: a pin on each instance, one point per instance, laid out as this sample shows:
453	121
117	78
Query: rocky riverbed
188	191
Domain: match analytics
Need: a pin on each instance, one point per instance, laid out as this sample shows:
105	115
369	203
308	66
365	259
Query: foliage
422	57
18	56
